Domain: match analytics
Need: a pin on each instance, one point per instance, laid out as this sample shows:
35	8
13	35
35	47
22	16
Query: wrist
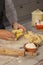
15	24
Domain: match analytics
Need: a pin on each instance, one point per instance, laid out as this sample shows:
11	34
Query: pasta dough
33	37
18	33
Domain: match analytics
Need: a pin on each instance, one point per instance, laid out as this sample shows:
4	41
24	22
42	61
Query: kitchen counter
25	60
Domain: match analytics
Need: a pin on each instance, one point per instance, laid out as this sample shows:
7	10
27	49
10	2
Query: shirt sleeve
10	11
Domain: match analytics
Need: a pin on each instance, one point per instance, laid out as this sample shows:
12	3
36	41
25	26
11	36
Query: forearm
1	34
10	11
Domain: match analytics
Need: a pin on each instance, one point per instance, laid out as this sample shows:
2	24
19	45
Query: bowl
39	27
33	50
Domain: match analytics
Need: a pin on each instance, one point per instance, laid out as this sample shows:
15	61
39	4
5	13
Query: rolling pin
11	52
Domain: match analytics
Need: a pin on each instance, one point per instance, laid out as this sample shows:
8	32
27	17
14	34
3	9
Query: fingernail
9	38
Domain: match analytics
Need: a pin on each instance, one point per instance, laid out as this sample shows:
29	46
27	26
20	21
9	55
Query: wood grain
11	52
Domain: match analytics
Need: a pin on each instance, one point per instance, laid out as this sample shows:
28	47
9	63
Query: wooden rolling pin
11	52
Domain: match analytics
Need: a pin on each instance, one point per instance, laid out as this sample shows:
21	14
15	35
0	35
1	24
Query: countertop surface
26	60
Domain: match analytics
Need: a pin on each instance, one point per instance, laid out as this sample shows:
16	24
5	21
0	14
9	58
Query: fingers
19	26
22	27
4	34
11	36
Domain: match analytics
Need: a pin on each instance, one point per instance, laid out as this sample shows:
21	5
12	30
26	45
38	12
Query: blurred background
24	8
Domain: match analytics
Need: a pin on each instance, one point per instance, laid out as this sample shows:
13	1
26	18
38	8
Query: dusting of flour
30	45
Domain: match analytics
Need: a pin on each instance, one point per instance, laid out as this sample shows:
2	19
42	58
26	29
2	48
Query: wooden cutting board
13	48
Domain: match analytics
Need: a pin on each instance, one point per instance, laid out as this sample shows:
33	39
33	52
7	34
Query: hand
19	26
4	34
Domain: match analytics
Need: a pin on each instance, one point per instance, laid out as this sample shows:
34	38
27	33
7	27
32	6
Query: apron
2	13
